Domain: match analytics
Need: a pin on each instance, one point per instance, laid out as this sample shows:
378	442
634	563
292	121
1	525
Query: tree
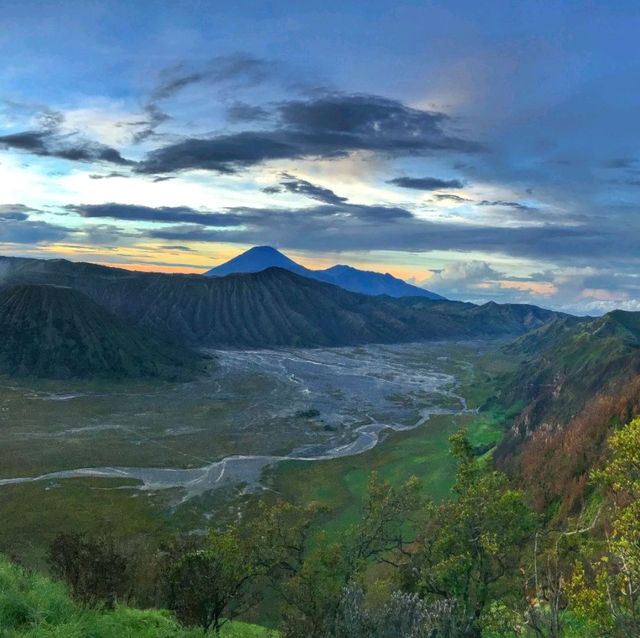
469	548
384	530
546	572
94	569
209	586
313	592
605	587
279	535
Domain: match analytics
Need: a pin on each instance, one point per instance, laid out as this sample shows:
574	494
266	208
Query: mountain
52	331
365	282
257	259
271	308
371	283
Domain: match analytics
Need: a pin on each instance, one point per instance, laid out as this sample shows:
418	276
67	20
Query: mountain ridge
272	308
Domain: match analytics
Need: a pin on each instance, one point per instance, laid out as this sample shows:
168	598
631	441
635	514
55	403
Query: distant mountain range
271	308
53	331
365	282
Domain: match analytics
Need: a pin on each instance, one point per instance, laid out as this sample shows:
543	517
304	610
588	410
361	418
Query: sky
483	150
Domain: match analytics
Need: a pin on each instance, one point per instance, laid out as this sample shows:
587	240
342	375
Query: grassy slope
34	513
31	605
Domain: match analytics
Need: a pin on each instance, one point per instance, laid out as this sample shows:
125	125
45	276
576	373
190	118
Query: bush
33	606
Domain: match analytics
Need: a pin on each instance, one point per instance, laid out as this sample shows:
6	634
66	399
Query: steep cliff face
579	379
566	363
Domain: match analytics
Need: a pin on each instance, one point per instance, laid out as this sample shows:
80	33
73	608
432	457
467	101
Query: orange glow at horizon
141	258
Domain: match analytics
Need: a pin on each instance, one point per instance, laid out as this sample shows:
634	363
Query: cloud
621	162
425	183
246	217
242	112
238	68
500	202
179	248
155	116
354	227
17	227
466	272
24	231
108	175
49	143
223	154
15	212
167	214
328	126
299	186
9	216
235	70
479	281
443	197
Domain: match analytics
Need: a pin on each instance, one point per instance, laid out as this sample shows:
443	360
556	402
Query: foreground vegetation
480	563
32	605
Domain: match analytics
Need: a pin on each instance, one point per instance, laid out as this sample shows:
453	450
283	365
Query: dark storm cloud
328	126
299	186
33	141
338	123
224	154
49	143
15	212
425	183
313	232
